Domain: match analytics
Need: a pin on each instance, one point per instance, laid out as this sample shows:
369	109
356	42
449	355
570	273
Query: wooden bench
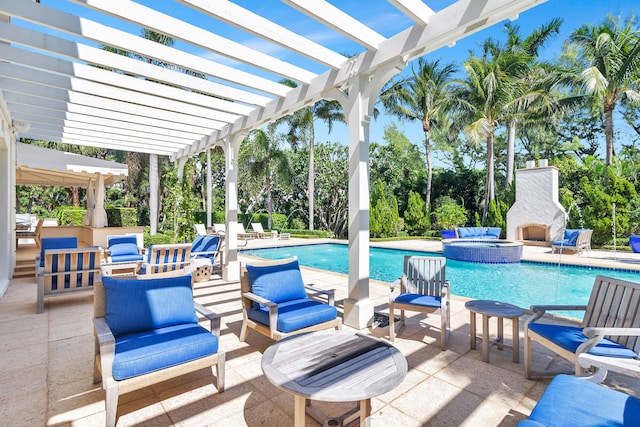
67	271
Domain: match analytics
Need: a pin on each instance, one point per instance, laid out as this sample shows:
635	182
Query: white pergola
57	84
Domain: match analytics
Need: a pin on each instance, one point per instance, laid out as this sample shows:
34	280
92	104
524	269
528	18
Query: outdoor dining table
333	366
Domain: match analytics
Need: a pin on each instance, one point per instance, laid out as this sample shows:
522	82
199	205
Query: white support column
209	188
358	105
8	195
154	184
231	267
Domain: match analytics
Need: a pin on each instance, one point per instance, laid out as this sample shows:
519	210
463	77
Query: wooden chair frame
425	276
612	312
79	278
155	263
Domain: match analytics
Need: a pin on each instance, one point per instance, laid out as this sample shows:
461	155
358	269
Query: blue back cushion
123	245
205	244
56	243
571	236
277	283
143	305
463	232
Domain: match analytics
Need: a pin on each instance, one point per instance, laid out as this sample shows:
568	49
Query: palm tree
301	129
423	96
610	53
531	86
265	159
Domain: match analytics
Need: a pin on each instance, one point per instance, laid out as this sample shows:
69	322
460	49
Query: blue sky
382	17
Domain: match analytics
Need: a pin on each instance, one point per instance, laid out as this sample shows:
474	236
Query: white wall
7	198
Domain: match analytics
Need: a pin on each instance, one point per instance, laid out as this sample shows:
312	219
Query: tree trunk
608	136
311	184
269	201
490	192
427	152
511	148
75	196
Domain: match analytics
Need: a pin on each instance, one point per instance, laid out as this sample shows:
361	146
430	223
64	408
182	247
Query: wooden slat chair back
423	288
163	258
66	271
612	313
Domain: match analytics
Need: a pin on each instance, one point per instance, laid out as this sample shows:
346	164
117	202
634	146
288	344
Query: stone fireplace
536	217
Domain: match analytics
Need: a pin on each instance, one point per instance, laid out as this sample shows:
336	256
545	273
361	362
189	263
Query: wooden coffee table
499	310
333	366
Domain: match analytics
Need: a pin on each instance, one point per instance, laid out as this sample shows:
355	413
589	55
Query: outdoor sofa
482	233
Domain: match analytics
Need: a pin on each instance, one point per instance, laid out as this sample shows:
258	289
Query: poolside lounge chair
146	332
220	229
423	288
275	301
244	234
610	326
570	401
260	233
201	230
575	241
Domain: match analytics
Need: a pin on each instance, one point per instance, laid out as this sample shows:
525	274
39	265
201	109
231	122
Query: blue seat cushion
277	283
127	258
205	244
570	401
118	240
143	305
564	242
421	300
570	337
56	243
296	314
149	351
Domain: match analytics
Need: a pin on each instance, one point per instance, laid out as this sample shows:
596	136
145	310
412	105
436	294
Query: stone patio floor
46	364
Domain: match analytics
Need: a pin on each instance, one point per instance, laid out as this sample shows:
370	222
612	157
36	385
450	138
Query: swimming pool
522	284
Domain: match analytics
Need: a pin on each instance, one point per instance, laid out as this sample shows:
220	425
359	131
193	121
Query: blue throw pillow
123	249
463	232
143	305
494	231
277	283
571	236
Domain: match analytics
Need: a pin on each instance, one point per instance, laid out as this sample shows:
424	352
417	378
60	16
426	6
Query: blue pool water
522	284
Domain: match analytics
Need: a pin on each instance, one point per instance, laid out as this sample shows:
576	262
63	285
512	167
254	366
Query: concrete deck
46	365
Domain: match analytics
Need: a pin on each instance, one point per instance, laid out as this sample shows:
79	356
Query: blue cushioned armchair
123	249
610	326
165	258
146	331
275	301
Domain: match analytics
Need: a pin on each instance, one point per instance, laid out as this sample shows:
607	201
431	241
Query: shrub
70	215
122	217
449	214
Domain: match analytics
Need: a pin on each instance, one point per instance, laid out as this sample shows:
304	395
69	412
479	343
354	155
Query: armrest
329	293
255	298
395	283
539	310
197	254
596	334
106	343
214	318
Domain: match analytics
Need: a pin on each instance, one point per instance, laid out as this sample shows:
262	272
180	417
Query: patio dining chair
423	288
610	326
146	331
275	301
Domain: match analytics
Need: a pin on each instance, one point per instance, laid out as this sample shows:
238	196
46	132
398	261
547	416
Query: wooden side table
499	310
333	366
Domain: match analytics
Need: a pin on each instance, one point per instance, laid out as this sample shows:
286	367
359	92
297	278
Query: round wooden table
333	366
499	310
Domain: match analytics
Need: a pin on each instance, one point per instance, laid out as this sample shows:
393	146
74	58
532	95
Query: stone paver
46	364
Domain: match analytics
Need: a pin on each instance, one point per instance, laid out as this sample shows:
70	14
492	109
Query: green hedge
70	215
246	219
310	234
158	239
122	217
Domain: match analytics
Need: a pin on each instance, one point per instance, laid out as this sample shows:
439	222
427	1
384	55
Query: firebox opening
534	232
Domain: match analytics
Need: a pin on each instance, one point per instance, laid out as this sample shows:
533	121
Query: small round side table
499	310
